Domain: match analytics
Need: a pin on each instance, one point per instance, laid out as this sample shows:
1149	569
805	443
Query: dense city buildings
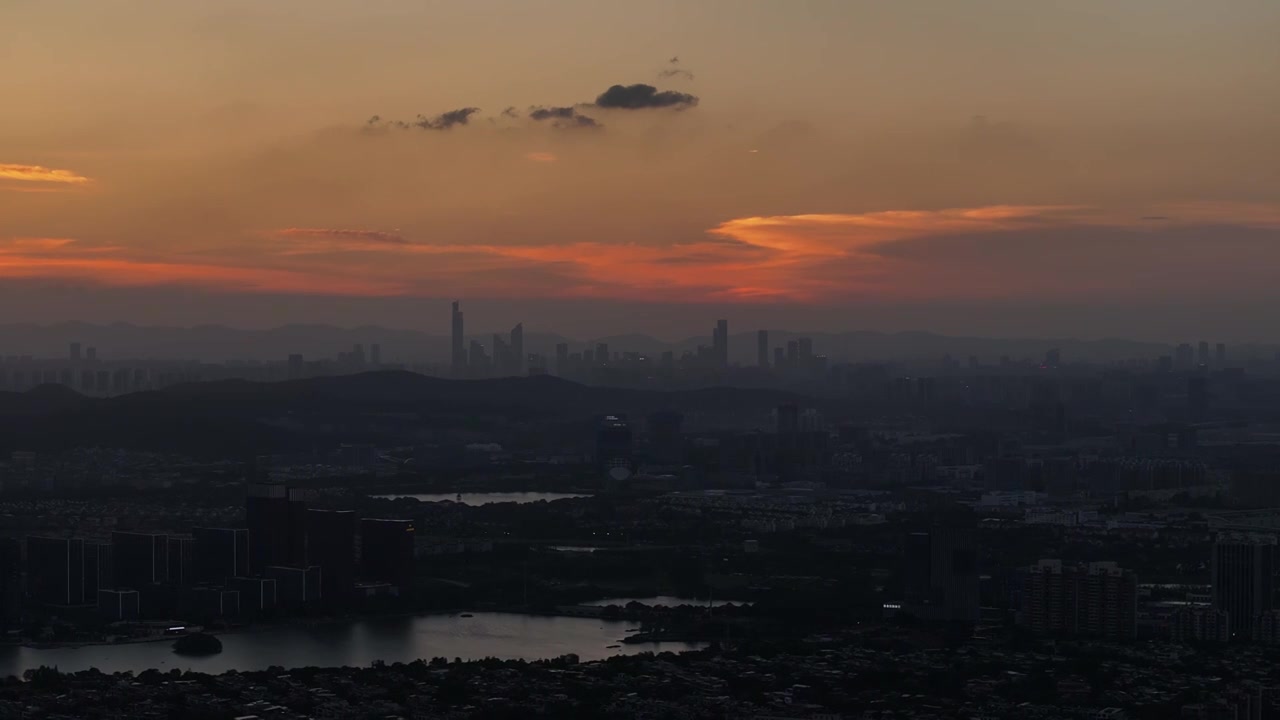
1095	600
1243	570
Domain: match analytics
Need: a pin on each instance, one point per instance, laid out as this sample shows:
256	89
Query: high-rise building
375	355
666	443
331	537
296	587
386	550
720	343
602	353
75	352
257	595
296	366
458	359
219	554
10	582
562	359
139	560
1097	600
1202	356
98	569
181	558
517	349
277	530
779	358
613	442
942	569
1183	357
1243	572
91	354
55	570
1220	356
762	348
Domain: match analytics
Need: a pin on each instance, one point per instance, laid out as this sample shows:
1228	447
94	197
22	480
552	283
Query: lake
390	639
664	601
486	498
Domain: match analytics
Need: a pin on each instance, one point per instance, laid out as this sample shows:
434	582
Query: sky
992	167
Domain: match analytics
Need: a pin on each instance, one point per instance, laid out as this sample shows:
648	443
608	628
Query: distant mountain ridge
218	343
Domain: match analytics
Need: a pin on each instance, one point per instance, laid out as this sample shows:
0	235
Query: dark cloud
675	60
511	112
444	121
641	96
675	72
372	236
563	117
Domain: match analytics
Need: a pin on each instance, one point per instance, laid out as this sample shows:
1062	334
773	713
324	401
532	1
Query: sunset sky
591	166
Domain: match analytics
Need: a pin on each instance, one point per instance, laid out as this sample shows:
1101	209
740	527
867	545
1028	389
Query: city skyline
987	178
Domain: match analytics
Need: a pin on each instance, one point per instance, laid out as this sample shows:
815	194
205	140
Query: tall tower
458	361
762	348
1243	569
517	349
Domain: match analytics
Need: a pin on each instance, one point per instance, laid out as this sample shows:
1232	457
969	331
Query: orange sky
815	154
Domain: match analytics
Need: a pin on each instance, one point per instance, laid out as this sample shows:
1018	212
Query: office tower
1183	357
181	570
779	358
762	348
1198	398
277	531
296	587
477	359
55	568
331	537
375	355
219	554
517	349
1243	572
257	595
793	354
804	347
942	569
357	356
720	343
75	352
139	560
1096	600
99	571
212	603
386	550
296	367
562	359
501	356
1220	355
458	360
613	442
91	354
118	605
602	353
666	443
10	582
1202	356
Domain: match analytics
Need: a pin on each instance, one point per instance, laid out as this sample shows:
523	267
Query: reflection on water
486	498
397	639
665	601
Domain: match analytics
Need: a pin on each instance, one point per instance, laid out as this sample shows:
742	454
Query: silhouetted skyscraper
1243	570
139	560
562	359
1221	356
295	366
331	536
762	348
219	554
55	570
1183	357
1202	357
75	352
375	354
517	349
275	516
91	354
720	343
602	353
946	587
386	550
458	360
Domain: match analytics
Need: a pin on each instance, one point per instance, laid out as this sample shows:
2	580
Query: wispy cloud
40	174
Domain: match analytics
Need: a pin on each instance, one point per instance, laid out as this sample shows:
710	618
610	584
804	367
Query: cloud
443	121
40	174
367	235
675	72
641	96
562	117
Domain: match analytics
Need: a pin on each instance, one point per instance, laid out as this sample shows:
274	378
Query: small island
197	644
